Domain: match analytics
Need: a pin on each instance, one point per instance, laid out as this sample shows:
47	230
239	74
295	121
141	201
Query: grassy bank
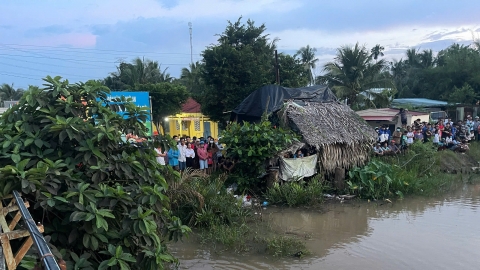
422	170
221	222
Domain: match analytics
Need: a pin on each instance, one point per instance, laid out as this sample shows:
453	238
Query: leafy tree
237	65
140	71
377	51
167	99
353	72
8	92
252	145
102	201
292	71
465	95
307	57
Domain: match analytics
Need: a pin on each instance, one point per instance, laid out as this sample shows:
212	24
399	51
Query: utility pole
191	46
277	69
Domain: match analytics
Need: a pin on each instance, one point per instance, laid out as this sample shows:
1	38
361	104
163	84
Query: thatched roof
342	137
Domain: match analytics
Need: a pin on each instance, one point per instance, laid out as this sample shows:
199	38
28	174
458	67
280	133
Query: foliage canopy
252	144
101	200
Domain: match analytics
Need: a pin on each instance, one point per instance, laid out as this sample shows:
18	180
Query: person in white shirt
189	155
160	155
182	159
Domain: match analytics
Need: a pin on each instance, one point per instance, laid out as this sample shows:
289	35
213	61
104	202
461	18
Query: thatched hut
341	137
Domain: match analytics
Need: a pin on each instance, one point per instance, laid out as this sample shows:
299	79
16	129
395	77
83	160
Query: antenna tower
191	46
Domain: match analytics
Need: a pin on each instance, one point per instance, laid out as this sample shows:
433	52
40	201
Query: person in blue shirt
454	132
389	133
173	155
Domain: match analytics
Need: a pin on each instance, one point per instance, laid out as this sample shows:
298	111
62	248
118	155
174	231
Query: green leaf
16	158
51	202
94	242
118	252
28	142
77	216
38	143
86	240
99	154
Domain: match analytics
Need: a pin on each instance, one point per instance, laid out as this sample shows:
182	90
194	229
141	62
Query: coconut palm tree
426	59
139	71
307	56
353	72
377	51
8	92
413	59
191	77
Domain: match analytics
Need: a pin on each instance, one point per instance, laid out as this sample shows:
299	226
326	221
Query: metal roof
384	114
418	102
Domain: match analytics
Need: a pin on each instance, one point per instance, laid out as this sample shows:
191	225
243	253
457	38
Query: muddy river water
414	233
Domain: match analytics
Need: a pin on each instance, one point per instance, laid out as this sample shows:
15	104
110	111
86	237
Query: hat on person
469	116
201	142
476	117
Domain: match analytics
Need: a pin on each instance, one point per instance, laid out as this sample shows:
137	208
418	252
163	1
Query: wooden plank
11	208
20	233
23	250
15	220
7	251
3	222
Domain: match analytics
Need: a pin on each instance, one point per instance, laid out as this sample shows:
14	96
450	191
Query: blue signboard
141	99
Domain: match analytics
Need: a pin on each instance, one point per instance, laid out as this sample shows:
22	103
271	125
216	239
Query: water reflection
416	233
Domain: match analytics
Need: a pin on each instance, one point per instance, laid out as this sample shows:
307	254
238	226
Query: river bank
438	232
224	226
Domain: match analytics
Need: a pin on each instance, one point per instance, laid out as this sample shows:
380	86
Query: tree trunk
272	178
339	181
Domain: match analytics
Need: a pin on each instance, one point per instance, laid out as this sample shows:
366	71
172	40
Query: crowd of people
443	134
203	154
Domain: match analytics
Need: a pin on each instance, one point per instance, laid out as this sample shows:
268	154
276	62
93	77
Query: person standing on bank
160	155
173	155
182	161
202	157
403	117
189	155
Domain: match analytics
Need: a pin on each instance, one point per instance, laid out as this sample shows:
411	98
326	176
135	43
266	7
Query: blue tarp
418	102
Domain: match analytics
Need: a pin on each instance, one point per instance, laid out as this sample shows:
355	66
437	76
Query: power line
41	70
53	65
80	60
12	75
86	49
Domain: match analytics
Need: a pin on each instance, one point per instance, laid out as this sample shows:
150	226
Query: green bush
252	144
100	199
416	172
296	193
203	201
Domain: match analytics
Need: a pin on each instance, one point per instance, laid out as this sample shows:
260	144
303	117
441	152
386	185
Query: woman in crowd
202	157
190	155
410	135
160	155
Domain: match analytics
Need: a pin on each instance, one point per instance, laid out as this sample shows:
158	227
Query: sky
82	40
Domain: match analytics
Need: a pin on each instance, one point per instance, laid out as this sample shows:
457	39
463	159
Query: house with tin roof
390	117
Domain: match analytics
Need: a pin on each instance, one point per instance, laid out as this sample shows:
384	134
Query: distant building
388	116
191	122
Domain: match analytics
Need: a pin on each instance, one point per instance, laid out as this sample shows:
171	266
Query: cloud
398	37
47	31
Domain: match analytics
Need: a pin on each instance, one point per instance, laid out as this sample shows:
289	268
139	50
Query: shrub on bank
419	171
296	193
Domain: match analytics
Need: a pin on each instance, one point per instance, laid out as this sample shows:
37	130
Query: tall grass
296	193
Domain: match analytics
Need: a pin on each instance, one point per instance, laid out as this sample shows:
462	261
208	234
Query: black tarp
252	107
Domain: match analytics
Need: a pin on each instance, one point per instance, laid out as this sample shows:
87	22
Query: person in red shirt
202	157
